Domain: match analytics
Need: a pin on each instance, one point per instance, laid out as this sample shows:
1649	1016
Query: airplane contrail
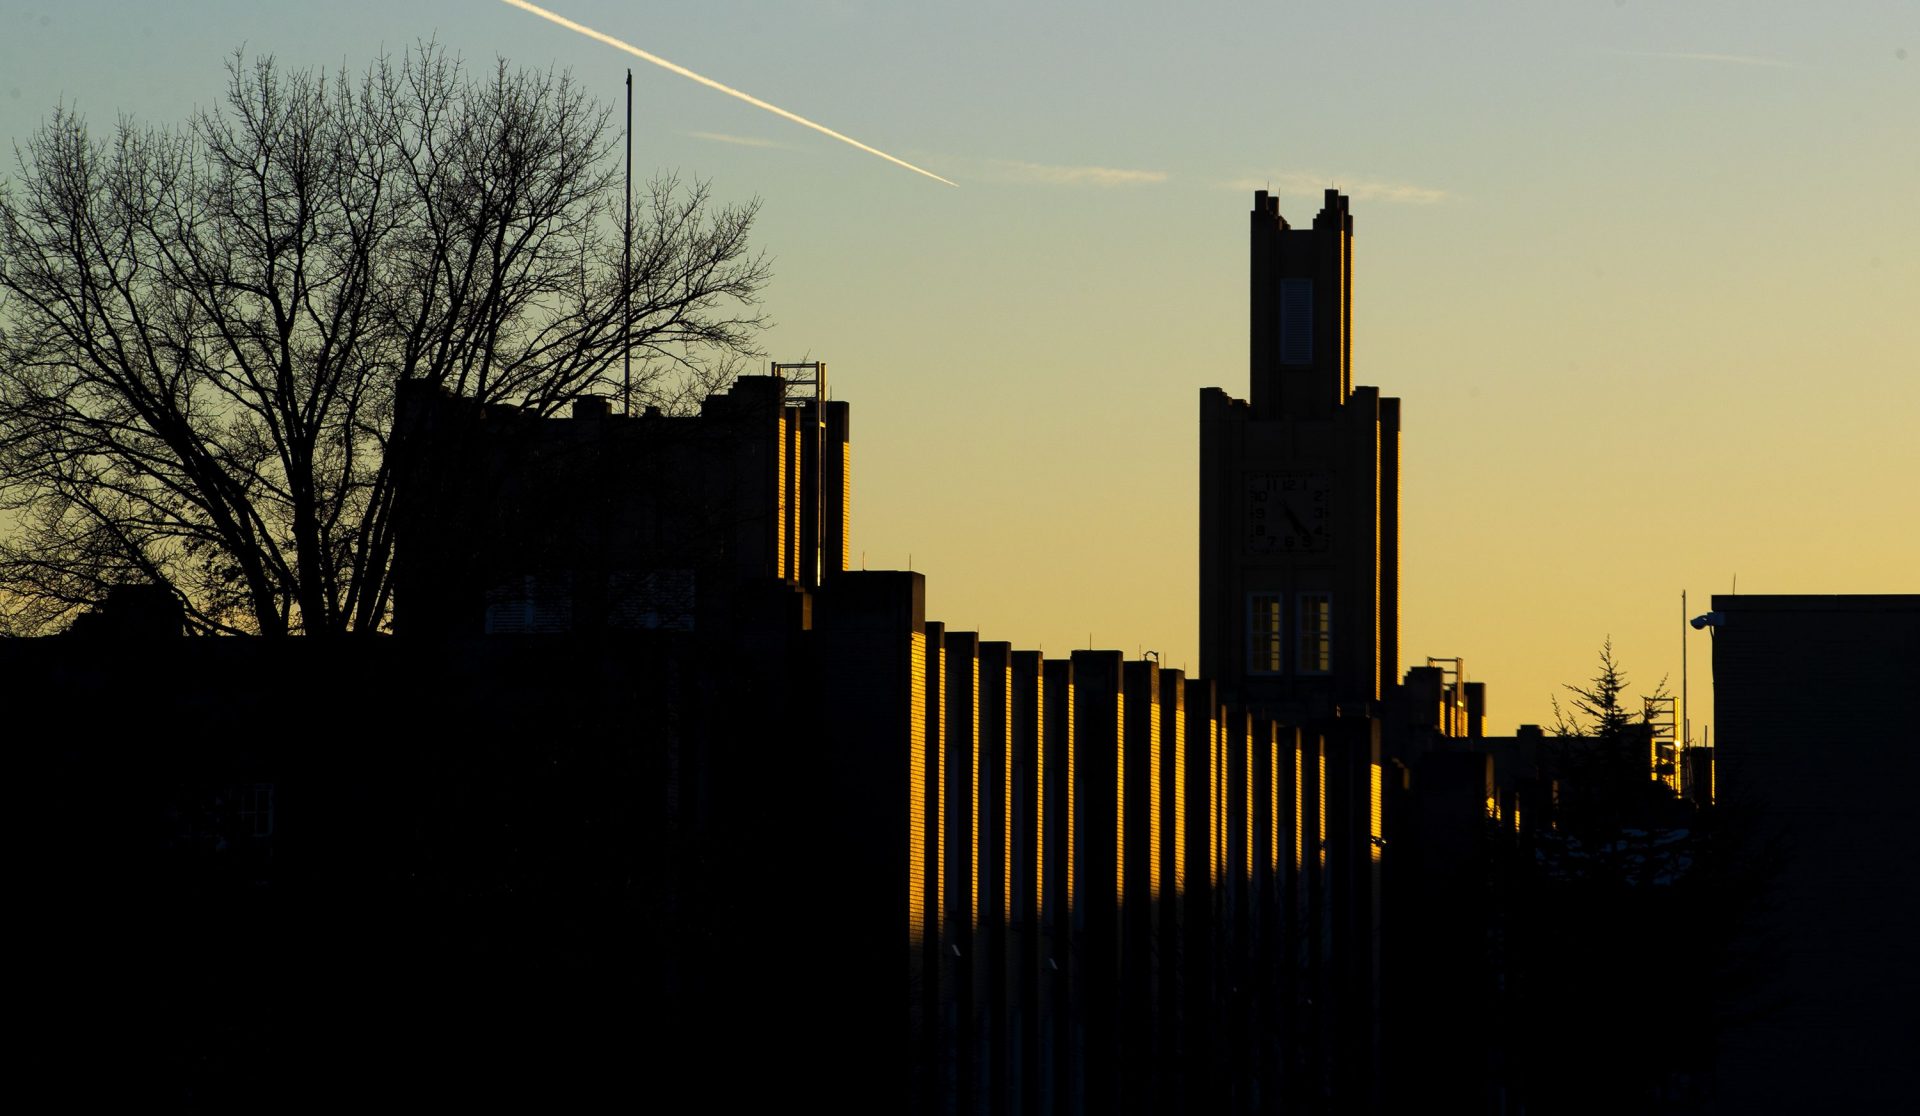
712	84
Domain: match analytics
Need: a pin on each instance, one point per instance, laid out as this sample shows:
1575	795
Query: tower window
1264	633
1296	321
1315	616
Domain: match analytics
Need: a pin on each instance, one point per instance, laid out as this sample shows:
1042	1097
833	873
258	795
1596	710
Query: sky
1646	277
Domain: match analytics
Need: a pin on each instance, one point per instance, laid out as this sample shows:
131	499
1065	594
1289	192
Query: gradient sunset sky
1647	276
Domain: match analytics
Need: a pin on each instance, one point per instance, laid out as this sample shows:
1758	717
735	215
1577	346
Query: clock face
1289	512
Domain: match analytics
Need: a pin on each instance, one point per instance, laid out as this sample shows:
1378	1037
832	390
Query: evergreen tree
1601	756
1605	1016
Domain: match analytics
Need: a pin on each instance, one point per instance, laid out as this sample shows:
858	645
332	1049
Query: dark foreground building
1818	757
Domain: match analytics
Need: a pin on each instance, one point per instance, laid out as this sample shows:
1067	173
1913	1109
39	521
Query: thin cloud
1011	170
738	141
1702	56
1359	189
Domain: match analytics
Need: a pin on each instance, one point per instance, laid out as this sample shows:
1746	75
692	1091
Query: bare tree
203	330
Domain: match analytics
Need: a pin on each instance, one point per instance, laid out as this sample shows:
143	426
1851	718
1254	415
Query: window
531	603
1296	321
256	810
1315	625
1264	633
651	600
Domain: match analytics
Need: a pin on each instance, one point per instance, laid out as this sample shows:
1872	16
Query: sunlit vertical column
1300	806
922	890
1248	804
1320	822
791	499
1376	833
1157	865
1389	609
1119	770
1276	819
1323	885
782	504
923	894
1300	879
1174	710
1221	770
836	488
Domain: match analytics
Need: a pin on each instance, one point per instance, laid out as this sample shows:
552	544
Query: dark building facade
1816	758
519	524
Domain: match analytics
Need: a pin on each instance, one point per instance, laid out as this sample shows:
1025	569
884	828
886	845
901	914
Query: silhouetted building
1299	622
1817	759
1300	490
609	522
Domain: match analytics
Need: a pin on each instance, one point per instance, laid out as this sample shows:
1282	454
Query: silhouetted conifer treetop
1601	754
1597	711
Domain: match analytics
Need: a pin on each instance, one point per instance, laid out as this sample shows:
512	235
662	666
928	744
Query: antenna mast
626	272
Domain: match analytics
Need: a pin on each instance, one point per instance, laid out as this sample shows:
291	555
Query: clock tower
1300	491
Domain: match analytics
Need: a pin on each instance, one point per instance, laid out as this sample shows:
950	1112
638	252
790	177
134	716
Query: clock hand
1295	520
